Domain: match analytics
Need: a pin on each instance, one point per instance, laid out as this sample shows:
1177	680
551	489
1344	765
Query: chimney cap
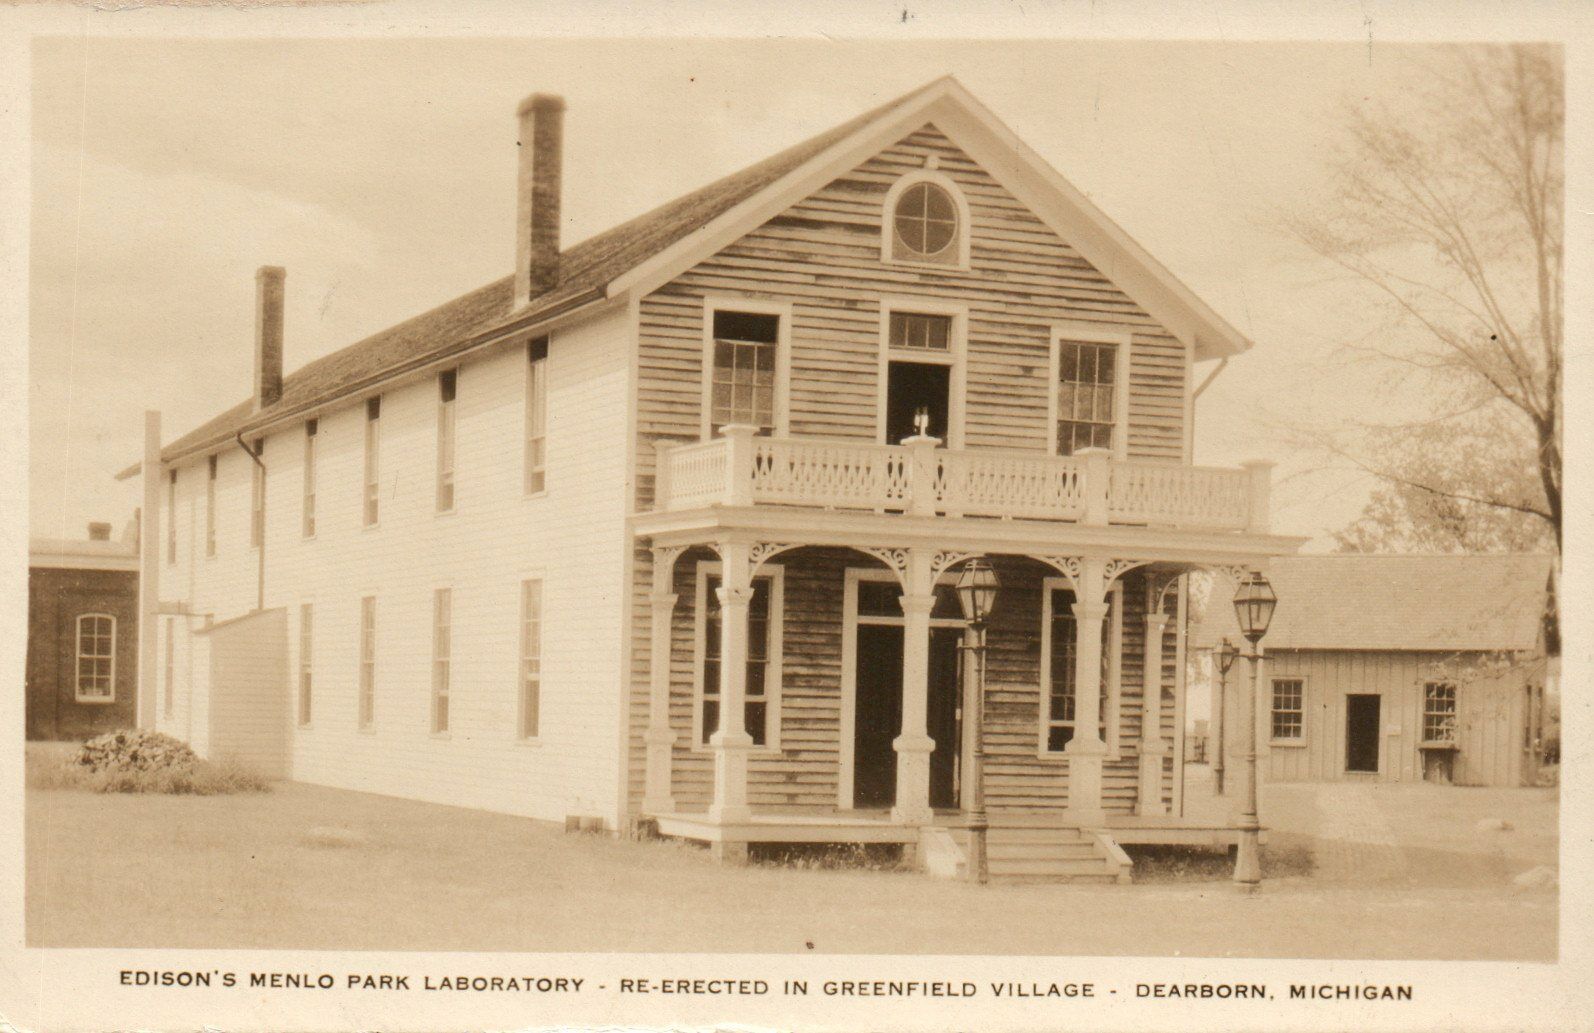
548	102
99	531
271	271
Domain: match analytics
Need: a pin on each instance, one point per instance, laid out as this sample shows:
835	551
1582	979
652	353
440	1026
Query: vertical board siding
573	536
1491	723
822	256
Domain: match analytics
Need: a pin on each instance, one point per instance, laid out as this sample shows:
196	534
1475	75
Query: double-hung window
311	431
306	660
1087	395
746	353
763	655
210	507
367	701
529	722
1439	713
257	494
1060	652
442	652
536	453
1288	711
373	441
96	658
446	383
171	516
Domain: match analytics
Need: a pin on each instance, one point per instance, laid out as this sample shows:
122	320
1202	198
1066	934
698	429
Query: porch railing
920	479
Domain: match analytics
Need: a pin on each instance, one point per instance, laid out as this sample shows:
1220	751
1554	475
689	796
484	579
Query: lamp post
976	590
1225	656
1254	602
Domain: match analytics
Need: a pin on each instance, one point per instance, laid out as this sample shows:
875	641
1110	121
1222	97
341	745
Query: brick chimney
541	143
99	531
268	334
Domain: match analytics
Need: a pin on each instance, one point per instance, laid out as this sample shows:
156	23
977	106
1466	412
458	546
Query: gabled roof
1396	602
683	231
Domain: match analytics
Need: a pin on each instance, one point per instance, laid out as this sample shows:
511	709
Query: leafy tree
1450	211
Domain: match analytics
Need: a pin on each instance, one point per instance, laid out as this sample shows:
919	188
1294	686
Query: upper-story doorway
912	388
921	371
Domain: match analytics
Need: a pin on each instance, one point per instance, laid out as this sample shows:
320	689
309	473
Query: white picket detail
1178	496
850	475
831	475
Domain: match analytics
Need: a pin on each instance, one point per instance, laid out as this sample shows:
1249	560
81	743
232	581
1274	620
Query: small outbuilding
82	666
1396	668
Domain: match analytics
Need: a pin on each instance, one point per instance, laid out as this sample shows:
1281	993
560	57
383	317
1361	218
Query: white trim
846	746
713	303
302	665
1268	710
776	574
977	131
447	419
78	656
956	357
526	411
526	577
371	463
447	661
359	656
310	473
1090	333
1111	713
961	235
1181	690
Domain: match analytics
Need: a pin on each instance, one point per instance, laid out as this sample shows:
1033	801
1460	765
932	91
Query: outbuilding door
1361	732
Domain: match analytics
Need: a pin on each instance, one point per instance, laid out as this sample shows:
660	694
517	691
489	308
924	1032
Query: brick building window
96	658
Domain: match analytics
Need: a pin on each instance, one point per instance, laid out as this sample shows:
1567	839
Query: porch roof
1397	602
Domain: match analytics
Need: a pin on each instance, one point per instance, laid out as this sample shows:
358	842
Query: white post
730	742
739	464
1153	747
1086	750
914	745
149	576
921	474
658	797
1258	493
1096	466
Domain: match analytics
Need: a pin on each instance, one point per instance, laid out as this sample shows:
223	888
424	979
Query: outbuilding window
96	658
1288	711
1439	712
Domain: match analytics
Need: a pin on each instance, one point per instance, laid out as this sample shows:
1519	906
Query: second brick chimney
541	143
269	281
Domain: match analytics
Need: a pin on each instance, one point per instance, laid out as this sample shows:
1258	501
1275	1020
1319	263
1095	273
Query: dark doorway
911	386
945	723
877	715
1361	732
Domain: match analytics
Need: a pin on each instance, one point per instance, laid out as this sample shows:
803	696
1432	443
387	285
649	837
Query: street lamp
1254	603
976	590
1225	656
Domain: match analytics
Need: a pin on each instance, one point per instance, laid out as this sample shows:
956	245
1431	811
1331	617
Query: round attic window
926	221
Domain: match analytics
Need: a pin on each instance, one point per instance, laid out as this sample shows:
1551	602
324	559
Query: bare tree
1453	215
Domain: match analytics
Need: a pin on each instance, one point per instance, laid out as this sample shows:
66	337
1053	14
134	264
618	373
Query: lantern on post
976	589
1254	602
1224	656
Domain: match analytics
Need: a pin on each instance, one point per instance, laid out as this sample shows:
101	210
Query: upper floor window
442	656
530	722
1439	712
1087	403
171	516
926	221
96	658
210	508
306	657
1288	714
446	383
311	431
257	494
746	348
536	473
373	439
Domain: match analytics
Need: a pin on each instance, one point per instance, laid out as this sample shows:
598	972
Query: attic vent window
926	221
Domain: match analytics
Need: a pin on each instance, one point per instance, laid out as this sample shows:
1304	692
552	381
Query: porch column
914	745
731	743
1153	747
657	797
1086	750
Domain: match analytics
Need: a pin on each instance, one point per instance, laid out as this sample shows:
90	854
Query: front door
877	715
1361	732
910	387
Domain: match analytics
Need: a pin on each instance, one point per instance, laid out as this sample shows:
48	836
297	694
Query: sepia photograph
806	496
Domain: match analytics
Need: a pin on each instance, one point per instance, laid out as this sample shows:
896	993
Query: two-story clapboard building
527	551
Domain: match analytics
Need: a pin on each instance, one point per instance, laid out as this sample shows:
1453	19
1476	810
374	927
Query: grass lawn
313	868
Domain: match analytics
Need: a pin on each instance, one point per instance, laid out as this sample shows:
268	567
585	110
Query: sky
380	173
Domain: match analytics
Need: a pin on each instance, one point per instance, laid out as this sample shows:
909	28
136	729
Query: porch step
1034	852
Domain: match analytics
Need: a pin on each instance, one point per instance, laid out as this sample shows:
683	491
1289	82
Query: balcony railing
920	479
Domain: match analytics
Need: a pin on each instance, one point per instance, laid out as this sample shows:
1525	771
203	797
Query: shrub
139	761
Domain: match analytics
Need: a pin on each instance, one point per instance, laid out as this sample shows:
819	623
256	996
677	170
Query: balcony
920	479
